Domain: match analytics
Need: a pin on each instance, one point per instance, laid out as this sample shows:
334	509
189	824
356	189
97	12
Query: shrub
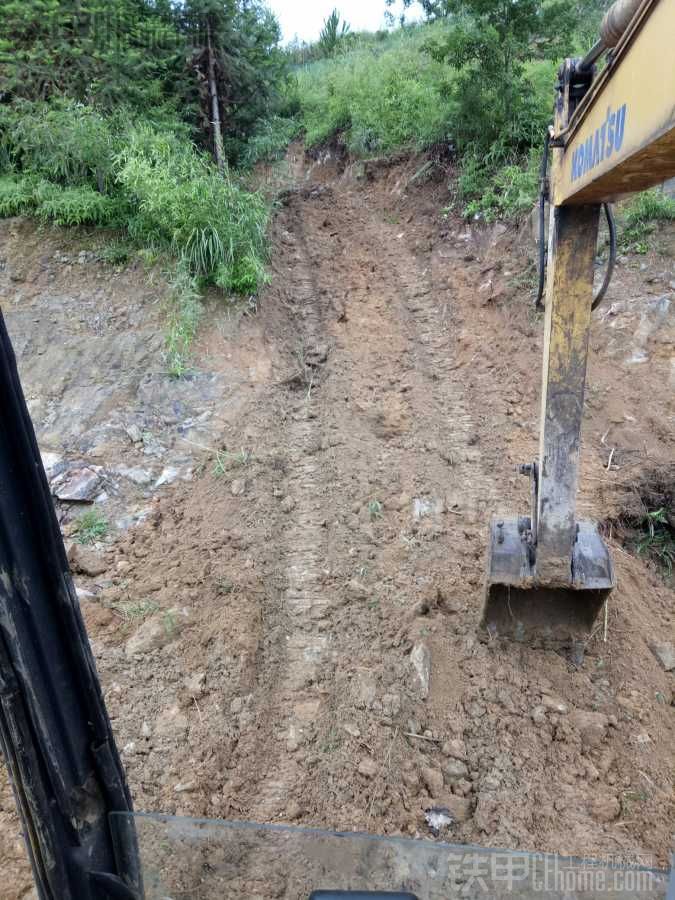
641	213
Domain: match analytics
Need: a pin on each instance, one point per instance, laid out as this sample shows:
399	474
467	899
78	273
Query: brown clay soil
256	634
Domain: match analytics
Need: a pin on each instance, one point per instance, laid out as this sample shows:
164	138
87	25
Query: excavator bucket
520	607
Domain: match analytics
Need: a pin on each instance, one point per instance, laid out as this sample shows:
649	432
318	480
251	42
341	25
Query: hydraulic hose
543	197
543	250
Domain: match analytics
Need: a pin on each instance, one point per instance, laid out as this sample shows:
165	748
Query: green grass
657	541
226	460
132	610
184	310
640	216
69	164
383	96
91	526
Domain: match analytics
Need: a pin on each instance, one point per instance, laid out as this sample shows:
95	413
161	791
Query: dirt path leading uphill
291	637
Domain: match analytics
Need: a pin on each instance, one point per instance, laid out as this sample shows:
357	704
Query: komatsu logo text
601	145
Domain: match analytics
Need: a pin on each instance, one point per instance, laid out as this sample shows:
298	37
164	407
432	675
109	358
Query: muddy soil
292	634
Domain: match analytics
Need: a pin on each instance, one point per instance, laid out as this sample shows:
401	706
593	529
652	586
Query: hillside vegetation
143	117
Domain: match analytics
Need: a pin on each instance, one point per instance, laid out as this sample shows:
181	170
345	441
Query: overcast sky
304	18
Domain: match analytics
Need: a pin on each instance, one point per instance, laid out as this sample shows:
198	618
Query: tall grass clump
216	229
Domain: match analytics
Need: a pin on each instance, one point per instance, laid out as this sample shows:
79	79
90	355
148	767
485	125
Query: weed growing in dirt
226	460
169	622
116	253
91	526
184	312
224	585
658	541
135	610
375	510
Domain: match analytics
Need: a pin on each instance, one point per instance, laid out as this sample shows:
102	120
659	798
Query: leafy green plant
91	526
73	206
510	191
375	510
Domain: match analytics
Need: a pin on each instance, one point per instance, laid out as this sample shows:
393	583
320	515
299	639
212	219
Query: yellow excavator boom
613	133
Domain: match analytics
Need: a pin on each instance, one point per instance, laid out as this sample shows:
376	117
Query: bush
384	95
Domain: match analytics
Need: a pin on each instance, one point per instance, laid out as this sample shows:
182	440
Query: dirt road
292	636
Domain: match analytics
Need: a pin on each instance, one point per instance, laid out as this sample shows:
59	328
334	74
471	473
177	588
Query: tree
236	67
105	52
332	33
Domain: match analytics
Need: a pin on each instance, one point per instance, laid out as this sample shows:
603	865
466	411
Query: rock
156	632
357	590
80	484
391	705
168	475
538	715
664	651
475	710
420	659
195	684
134	434
236	706
185	787
287	505
51	463
433	781
136	474
238	487
368	768
438	818
455	749
85	561
491	782
605	809
172	723
591	725
352	730
366	689
454	770
554	704
460	808
83	595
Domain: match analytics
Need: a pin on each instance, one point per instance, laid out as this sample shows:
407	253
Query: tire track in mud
303	539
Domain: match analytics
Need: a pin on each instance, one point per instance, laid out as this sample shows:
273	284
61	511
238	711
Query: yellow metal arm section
621	138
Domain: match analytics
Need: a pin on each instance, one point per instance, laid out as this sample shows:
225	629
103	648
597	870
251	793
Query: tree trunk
215	104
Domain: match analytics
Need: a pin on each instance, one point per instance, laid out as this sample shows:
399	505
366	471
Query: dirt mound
292	636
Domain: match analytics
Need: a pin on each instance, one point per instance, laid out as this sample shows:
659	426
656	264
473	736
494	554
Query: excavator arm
549	574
